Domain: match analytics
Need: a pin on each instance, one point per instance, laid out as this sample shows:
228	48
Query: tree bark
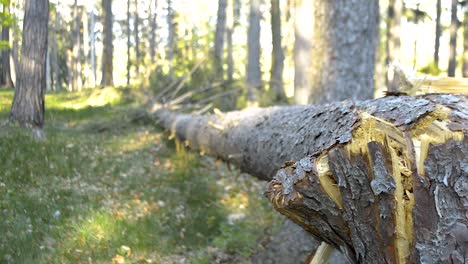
253	72
170	38
438	32
382	180
219	40
234	8
343	50
108	46
303	34
56	82
395	7
28	101
276	80
92	40
6	68
88	76
76	72
129	44
153	24
453	40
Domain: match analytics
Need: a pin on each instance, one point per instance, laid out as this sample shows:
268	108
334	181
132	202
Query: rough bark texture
219	40
343	48
438	32
395	7
276	80
452	66
108	46
5	78
28	102
384	180
302	48
253	72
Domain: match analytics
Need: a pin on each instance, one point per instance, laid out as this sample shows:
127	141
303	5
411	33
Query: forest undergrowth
105	187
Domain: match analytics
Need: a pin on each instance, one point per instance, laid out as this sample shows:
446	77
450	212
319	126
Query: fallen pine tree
383	181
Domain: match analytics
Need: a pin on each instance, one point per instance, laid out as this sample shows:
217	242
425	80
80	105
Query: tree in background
344	42
5	78
170	38
453	39
302	48
153	24
136	29
108	47
276	80
28	102
395	7
465	39
438	32
233	22
253	72
219	40
129	43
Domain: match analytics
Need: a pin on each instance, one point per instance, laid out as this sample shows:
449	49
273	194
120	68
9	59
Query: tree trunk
219	40
54	51
28	102
234	8
48	71
6	70
92	40
253	72
465	45
89	82
438	32
395	7
382	180
153	23
170	38
276	80
453	40
303	33
108	46
136	27
76	73
129	43
343	50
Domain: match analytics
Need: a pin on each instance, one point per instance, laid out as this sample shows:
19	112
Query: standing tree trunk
92	40
438	32
28	102
129	43
465	45
219	40
136	26
108	46
276	80
54	51
382	180
89	82
234	8
153	22
170	38
6	70
303	32
48	71
343	50
395	7
453	40
253	71
76	73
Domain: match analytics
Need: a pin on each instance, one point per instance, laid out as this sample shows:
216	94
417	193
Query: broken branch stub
395	192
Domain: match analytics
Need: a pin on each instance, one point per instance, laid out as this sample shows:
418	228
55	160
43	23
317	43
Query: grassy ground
104	189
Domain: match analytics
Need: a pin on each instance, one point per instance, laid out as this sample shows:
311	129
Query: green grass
102	188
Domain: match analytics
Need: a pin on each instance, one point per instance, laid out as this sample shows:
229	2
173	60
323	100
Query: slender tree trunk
136	27
28	103
6	70
253	71
302	51
276	81
92	40
108	46
453	40
170	38
54	52
395	7
76	72
153	32
234	9
382	180
86	67
48	71
219	40
438	32
465	45
343	51
129	43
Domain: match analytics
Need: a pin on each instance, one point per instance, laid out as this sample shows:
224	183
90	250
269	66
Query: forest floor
105	187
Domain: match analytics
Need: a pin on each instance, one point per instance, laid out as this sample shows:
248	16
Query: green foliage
431	69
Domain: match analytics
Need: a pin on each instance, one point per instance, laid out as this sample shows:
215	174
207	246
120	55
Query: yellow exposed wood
323	253
326	180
